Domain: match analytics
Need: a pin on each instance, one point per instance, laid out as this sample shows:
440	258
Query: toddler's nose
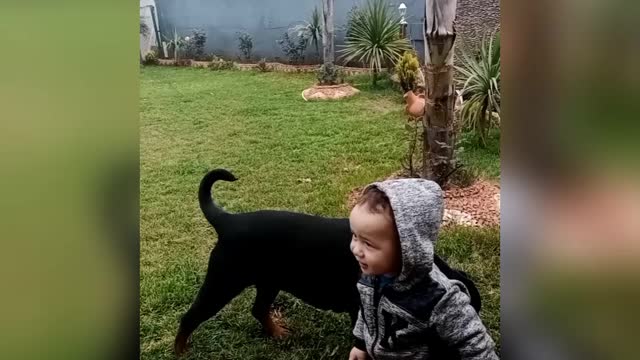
355	249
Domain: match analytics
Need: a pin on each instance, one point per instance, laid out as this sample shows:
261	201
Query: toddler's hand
357	354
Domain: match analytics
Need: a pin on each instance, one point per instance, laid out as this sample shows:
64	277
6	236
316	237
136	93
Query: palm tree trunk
438	121
328	51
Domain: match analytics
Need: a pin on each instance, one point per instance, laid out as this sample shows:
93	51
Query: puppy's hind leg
218	289
265	296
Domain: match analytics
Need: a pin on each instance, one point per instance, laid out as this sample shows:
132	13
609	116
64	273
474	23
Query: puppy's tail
211	211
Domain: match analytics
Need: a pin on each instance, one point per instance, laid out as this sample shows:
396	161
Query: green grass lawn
287	154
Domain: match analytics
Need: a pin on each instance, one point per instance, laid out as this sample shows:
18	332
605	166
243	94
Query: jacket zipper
376	284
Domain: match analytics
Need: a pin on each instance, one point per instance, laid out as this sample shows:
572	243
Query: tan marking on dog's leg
272	327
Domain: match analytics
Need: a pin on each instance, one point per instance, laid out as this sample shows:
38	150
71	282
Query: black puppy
304	255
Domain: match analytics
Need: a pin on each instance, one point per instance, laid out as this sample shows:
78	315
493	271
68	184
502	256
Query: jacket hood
418	208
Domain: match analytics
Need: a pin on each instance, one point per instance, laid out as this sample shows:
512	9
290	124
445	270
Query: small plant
175	44
262	65
374	38
217	64
151	59
245	45
413	159
329	74
294	47
480	86
407	69
194	46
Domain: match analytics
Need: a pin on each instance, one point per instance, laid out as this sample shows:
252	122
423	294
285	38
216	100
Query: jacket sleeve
358	333
459	326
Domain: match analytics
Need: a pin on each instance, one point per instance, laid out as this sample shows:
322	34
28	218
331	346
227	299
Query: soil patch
329	92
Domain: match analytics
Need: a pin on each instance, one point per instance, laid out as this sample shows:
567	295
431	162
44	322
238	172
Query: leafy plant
151	59
194	47
480	86
262	65
407	69
329	74
294	47
175	44
312	30
374	38
245	44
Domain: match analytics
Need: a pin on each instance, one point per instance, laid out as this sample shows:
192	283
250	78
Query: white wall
148	41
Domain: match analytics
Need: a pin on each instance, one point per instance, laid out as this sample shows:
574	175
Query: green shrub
151	59
329	74
407	69
294	46
245	45
194	47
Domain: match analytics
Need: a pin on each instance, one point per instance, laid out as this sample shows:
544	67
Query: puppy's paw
279	332
180	345
274	329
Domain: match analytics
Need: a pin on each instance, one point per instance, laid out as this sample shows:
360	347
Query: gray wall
266	21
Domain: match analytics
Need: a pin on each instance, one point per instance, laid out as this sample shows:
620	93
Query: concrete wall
147	41
266	21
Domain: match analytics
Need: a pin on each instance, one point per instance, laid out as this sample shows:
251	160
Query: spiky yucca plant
176	43
481	84
315	29
374	38
311	30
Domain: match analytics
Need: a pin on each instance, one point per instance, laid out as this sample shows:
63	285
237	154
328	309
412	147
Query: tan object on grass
415	104
329	92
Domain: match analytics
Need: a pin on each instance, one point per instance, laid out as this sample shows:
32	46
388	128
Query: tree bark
440	35
328	52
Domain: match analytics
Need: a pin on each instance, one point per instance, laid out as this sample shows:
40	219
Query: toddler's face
374	242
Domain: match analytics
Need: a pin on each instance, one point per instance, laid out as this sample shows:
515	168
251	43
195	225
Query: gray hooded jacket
422	314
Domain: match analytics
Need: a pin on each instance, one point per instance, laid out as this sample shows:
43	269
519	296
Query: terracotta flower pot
415	104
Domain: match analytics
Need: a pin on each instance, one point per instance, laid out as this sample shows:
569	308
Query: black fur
304	255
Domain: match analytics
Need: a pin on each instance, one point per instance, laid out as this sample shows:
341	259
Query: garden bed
329	92
276	66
